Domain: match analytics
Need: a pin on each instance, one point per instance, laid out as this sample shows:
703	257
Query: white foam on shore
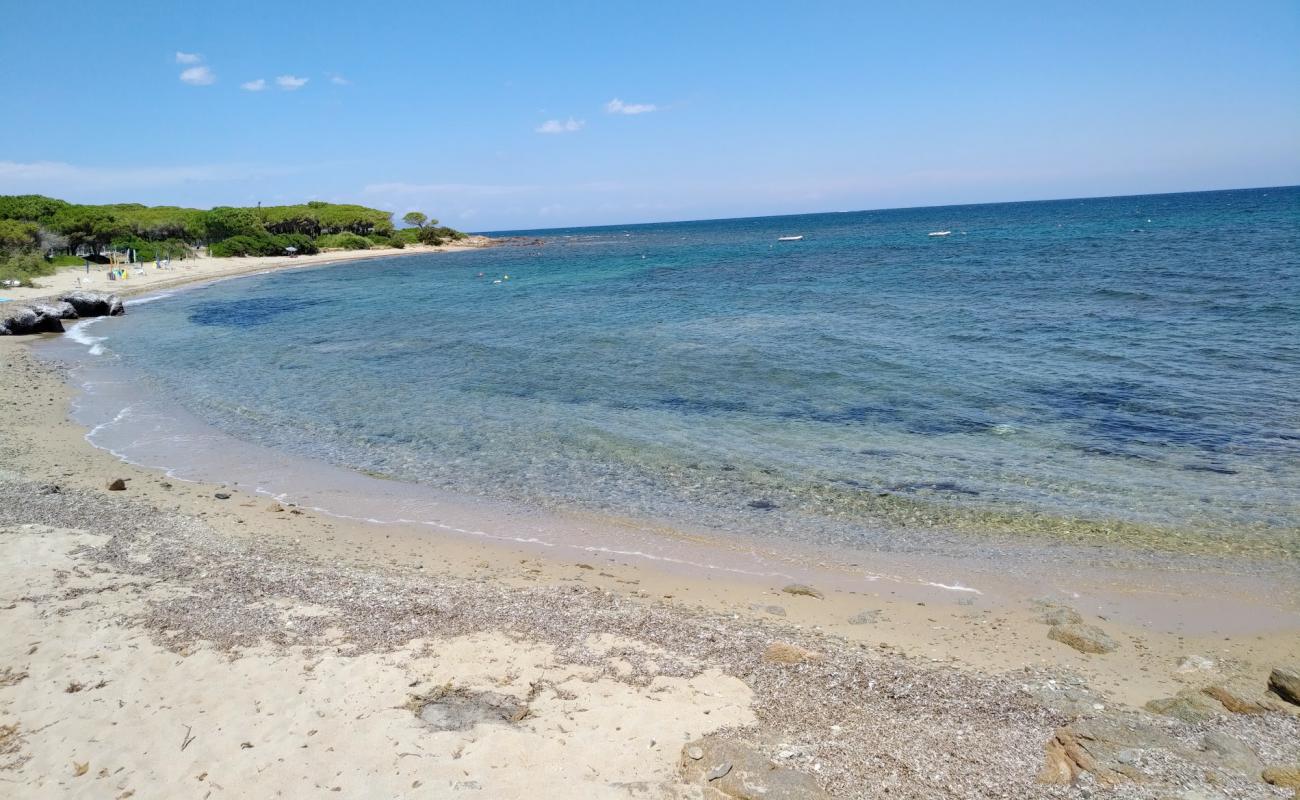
77	333
956	587
149	298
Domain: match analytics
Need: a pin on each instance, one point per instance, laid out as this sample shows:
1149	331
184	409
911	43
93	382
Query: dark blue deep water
1123	370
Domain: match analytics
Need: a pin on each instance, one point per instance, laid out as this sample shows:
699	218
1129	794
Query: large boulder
734	770
95	304
23	320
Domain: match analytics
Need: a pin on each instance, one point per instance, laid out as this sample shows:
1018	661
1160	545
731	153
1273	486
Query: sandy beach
204	268
177	639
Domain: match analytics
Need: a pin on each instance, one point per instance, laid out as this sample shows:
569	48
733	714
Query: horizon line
889	208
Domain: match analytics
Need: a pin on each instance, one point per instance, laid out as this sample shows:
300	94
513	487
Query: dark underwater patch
247	313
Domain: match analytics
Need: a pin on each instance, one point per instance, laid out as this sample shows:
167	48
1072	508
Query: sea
1118	373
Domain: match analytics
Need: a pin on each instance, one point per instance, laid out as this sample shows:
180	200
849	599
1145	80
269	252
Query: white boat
940	233
790	238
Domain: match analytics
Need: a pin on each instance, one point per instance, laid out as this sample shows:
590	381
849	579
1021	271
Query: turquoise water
1120	370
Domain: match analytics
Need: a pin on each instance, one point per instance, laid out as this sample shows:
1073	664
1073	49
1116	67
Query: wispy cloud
60	178
187	58
254	86
339	80
446	189
556	126
617	106
198	76
291	82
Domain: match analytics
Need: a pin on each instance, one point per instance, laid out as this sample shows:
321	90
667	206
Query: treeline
38	232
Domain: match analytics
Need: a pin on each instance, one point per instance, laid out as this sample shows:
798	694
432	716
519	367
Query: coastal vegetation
39	234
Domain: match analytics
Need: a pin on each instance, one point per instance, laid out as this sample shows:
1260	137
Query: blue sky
502	115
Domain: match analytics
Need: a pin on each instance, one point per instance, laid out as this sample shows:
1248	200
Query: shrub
431	236
304	244
23	267
343	241
241	246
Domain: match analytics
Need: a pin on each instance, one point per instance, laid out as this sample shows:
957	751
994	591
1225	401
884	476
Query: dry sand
203	268
162	642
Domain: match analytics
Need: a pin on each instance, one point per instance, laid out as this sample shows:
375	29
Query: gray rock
868	617
735	770
117	485
1285	683
1231	753
95	304
1084	638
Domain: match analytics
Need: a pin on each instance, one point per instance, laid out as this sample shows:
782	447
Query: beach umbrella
290	249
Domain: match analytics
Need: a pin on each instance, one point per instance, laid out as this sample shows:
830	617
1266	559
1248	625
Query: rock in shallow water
1060	615
1084	638
801	589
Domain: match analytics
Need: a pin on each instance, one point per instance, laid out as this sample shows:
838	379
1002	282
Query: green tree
224	222
416	219
17	236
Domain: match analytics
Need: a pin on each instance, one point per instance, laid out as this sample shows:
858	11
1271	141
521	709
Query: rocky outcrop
1084	638
22	321
734	770
95	304
1108	749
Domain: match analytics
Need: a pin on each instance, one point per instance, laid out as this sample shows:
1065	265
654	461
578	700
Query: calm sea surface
1110	370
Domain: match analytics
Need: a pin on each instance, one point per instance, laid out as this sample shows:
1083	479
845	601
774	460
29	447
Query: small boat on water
798	238
940	233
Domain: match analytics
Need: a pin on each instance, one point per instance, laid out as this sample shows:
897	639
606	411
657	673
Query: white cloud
617	106
290	82
198	76
254	86
339	80
556	126
187	58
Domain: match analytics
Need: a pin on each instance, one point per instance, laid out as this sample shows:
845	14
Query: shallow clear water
1103	370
